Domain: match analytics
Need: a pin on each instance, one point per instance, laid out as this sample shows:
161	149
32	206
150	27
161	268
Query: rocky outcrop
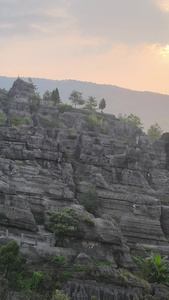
21	90
48	165
50	162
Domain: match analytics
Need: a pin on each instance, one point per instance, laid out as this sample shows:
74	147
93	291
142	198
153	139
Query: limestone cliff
48	162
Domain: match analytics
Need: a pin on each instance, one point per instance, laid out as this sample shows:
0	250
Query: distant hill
150	107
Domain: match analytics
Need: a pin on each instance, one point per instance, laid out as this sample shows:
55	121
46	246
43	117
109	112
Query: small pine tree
56	97
91	103
102	104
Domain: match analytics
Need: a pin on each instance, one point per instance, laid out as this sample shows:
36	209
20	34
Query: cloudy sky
118	42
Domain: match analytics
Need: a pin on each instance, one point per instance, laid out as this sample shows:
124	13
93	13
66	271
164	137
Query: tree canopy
62	222
76	98
56	97
131	120
91	103
102	104
155	131
47	96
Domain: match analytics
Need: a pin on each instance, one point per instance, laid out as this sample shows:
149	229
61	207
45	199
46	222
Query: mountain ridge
151	107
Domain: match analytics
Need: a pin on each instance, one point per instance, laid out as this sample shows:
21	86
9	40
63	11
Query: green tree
154	268
155	131
3	94
89	199
131	120
56	97
76	98
9	257
91	103
62	222
47	96
35	99
102	104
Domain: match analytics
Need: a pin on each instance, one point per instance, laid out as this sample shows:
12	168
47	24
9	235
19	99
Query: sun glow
164	51
164	4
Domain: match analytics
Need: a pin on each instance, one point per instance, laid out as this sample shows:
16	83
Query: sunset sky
118	42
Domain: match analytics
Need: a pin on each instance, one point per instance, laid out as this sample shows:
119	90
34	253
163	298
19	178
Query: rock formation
49	163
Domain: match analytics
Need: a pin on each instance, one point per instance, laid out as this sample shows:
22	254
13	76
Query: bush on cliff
9	258
62	222
89	199
154	268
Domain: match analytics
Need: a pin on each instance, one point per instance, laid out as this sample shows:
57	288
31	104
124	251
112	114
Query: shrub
64	107
16	121
154	268
9	258
62	222
49	123
59	295
2	118
88	220
26	121
93	120
89	199
103	262
60	260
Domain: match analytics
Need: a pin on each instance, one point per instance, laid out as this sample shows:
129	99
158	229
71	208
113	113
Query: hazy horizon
121	43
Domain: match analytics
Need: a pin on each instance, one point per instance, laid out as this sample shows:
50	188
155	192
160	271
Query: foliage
49	123
2	118
3	94
47	96
155	131
93	120
131	120
76	98
56	97
102	104
91	103
62	222
59	260
9	257
59	295
16	121
35	282
103	262
68	273
155	268
35	99
89	199
64	107
88	220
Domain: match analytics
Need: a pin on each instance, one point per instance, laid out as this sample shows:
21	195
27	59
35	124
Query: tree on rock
91	103
56	97
102	104
9	258
62	222
76	98
155	131
131	120
47	96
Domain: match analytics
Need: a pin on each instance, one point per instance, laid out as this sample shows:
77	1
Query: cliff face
49	163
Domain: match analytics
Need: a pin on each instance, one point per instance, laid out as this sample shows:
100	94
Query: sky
118	42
